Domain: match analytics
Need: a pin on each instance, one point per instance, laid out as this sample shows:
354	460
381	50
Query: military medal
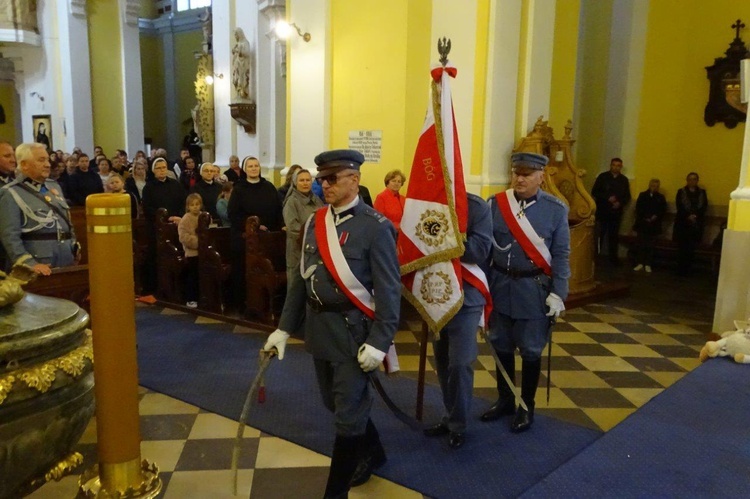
344	238
49	199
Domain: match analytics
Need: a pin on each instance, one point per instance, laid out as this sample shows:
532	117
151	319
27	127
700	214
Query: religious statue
207	27
241	64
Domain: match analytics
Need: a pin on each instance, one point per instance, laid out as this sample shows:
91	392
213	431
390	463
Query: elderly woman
389	202
299	204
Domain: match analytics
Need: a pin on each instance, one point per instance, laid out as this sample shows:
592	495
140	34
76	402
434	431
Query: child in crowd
222	203
116	185
189	239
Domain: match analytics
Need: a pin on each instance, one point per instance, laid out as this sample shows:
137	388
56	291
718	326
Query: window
192	4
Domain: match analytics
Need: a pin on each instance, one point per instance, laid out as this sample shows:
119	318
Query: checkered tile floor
608	361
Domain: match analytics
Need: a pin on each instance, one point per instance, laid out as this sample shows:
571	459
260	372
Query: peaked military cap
330	162
528	160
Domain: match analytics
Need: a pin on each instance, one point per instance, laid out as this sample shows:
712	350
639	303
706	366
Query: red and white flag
433	227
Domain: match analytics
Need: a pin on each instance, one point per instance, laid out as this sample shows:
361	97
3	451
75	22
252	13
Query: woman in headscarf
299	204
252	196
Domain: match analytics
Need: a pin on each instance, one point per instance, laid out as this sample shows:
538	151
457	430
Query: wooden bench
78	219
265	272
213	264
170	259
68	283
140	252
708	251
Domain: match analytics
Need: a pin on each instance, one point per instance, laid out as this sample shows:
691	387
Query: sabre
502	370
265	361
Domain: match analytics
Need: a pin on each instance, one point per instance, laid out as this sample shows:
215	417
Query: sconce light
284	30
37	95
210	78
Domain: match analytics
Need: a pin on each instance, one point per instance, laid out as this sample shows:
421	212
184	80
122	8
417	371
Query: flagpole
444	48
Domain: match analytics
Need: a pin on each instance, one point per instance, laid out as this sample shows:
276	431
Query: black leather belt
517	274
333	307
46	236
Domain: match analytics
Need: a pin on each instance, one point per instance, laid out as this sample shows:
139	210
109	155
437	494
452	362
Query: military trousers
346	393
528	335
455	352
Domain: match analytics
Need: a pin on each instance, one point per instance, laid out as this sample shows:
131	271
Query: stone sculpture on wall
241	65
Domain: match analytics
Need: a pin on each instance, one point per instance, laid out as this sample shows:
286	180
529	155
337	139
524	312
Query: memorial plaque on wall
368	142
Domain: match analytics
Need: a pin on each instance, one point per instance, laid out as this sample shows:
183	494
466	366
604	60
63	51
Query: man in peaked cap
528	280
349	299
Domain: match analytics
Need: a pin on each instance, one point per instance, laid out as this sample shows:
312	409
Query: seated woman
389	202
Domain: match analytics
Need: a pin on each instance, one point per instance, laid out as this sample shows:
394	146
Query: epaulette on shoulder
375	214
554	200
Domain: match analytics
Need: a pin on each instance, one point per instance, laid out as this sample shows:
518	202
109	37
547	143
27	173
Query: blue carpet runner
212	368
692	440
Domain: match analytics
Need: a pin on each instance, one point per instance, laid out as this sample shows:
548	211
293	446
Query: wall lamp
210	78
283	30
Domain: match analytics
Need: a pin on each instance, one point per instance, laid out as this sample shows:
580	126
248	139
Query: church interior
580	81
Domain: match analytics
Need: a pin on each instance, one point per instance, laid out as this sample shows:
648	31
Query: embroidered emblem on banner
432	228
436	288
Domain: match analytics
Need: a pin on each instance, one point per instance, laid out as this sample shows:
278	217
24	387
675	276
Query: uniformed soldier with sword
349	299
528	281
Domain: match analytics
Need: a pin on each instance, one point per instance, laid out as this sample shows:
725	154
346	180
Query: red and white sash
475	276
521	228
334	260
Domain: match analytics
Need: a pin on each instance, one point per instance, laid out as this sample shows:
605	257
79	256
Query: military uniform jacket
368	242
23	213
524	297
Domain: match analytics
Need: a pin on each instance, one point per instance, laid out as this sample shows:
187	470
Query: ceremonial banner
433	227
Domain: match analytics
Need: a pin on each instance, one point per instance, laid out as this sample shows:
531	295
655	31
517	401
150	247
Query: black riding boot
530	370
343	463
373	456
506	403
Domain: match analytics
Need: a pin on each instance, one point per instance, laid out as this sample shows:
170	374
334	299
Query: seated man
35	228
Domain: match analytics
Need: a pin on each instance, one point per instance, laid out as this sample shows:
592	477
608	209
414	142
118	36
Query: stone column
733	292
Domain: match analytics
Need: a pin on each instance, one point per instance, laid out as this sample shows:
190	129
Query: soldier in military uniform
350	317
35	227
528	280
456	349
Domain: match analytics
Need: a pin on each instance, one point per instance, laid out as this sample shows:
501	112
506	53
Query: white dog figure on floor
735	344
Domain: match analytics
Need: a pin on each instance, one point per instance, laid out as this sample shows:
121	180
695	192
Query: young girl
189	239
116	185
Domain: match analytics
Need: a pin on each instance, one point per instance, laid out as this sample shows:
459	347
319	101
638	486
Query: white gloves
369	357
555	305
277	339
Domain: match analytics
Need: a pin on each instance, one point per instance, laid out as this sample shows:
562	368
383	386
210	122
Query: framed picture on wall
42	126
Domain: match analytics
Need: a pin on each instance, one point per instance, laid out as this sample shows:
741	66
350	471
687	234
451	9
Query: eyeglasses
332	178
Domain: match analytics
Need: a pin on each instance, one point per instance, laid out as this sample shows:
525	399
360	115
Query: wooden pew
265	272
68	283
78	219
140	252
170	259
214	267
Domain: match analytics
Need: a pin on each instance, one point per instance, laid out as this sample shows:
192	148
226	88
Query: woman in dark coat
649	213
252	196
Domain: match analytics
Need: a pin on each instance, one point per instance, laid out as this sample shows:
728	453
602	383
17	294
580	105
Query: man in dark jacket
691	202
611	192
84	182
649	213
